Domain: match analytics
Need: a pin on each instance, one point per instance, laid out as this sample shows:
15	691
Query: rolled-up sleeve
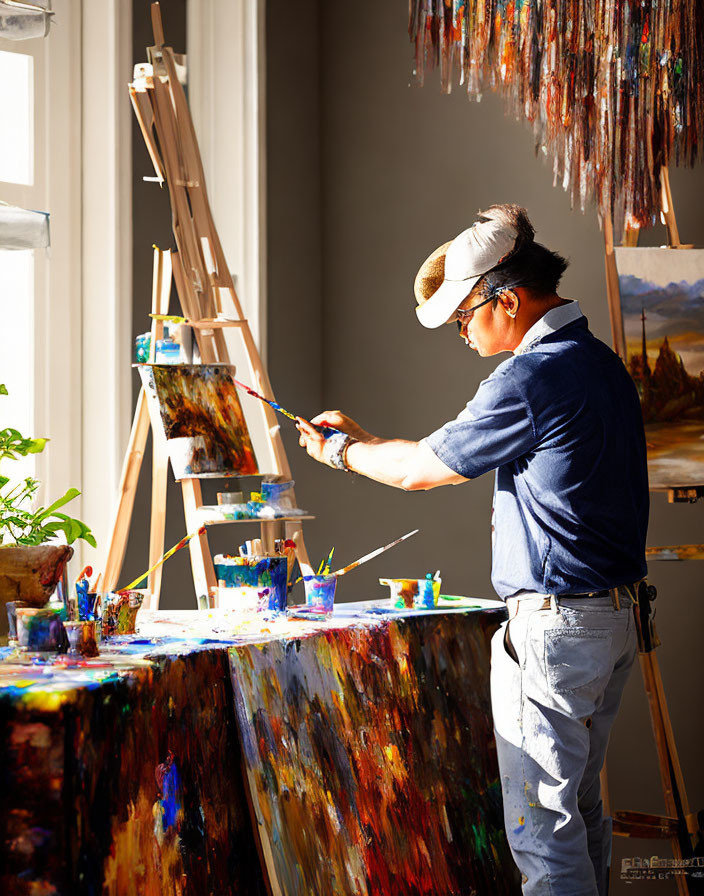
495	428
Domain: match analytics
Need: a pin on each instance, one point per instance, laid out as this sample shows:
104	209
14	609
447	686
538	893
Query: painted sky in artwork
202	419
668	285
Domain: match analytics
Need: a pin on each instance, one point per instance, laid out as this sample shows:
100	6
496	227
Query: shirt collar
552	320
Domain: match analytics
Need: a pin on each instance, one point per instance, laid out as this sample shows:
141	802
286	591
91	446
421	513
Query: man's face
489	329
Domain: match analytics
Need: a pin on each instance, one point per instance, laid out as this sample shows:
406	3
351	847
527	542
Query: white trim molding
226	46
56	188
106	257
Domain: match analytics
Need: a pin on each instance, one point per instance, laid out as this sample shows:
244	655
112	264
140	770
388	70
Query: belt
614	593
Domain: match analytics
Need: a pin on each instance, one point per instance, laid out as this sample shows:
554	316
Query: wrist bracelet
335	450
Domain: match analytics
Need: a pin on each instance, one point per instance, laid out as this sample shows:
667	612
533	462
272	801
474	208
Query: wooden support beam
201	559
612	290
127	489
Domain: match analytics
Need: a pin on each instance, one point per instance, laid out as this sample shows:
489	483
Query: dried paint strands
614	90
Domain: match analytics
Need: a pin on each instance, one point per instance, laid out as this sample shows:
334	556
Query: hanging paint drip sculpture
614	89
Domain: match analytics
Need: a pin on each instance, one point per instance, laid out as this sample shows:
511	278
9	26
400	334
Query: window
16	114
18	274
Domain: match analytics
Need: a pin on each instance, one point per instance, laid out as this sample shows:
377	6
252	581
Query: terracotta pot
30	573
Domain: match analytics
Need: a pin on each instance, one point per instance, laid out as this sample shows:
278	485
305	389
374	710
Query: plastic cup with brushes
320	588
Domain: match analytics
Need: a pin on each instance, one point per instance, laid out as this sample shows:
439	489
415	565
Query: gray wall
366	175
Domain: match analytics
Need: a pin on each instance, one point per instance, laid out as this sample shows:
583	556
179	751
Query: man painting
560	423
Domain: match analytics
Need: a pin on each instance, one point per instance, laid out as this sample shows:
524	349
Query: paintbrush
177	547
324	568
85	574
345	569
325	431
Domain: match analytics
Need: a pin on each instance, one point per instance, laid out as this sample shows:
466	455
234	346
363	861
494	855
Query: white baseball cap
466	259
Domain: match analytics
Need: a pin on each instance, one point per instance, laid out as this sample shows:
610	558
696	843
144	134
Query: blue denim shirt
560	422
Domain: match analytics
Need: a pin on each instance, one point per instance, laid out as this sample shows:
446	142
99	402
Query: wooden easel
203	283
680	824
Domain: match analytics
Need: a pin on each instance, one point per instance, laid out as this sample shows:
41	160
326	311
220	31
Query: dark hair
530	264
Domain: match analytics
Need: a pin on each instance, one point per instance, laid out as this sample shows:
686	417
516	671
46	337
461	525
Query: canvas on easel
662	308
201	415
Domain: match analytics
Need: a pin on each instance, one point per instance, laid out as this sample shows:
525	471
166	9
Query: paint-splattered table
212	754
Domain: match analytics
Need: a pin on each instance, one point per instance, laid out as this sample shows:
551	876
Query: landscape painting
202	419
662	303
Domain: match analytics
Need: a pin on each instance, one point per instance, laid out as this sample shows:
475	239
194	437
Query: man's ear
510	302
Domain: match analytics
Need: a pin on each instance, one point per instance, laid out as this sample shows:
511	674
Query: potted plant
31	565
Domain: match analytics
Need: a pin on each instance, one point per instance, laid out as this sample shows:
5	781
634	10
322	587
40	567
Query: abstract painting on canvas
202	419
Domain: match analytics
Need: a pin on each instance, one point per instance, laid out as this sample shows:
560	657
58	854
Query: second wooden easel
679	825
203	284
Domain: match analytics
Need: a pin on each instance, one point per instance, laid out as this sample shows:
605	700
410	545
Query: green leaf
72	529
36	446
3	389
52	508
3	481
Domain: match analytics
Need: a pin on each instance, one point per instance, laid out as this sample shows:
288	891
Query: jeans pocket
578	660
509	647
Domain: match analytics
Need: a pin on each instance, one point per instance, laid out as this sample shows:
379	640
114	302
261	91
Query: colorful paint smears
369	760
371	763
261	578
200	413
122	776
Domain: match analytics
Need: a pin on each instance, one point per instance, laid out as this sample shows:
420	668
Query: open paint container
82	637
419	593
320	593
119	612
41	628
252	584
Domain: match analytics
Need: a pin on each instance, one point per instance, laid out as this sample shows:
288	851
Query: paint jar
320	593
142	344
167	351
280	494
85	600
230	498
418	593
41	628
119	612
82	637
252	583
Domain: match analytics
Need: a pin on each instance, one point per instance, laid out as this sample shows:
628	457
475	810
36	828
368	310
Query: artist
560	422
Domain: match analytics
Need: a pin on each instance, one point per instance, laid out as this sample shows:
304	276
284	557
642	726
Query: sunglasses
464	315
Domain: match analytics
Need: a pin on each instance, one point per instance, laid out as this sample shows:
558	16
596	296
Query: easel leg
271	530
676	804
128	487
201	560
604	787
294	533
160	468
678	825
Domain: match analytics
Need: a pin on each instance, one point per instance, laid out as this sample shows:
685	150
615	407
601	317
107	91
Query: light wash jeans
553	711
